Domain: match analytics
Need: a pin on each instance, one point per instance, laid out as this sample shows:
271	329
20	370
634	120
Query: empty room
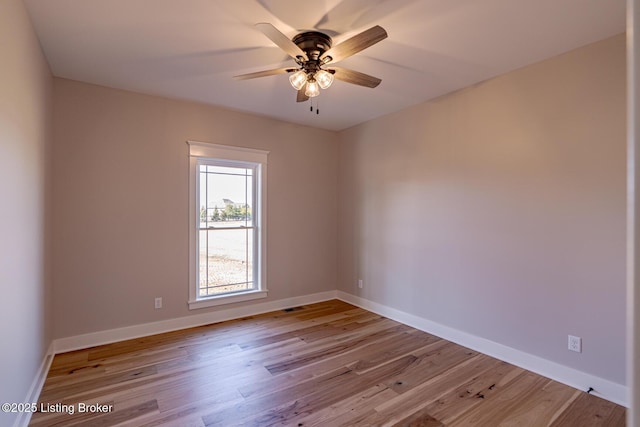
342	213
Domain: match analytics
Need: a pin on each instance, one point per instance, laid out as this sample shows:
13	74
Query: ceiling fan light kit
324	79
313	89
312	51
298	79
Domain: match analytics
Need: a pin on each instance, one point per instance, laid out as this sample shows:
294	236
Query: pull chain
311	106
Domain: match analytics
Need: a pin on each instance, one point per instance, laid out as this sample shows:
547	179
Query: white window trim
203	150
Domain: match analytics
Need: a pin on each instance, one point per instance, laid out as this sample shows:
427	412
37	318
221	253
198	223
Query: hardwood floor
326	364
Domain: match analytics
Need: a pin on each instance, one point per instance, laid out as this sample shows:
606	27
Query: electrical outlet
575	344
360	283
159	302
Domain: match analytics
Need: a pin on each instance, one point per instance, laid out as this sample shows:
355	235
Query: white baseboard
605	389
77	342
36	387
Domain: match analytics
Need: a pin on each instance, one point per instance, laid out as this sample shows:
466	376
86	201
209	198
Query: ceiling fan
312	51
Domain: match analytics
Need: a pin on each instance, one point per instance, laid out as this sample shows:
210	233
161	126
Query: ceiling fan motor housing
313	44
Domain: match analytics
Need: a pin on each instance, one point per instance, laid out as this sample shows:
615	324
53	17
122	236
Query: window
227	218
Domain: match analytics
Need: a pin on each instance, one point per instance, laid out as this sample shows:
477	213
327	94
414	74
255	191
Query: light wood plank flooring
326	364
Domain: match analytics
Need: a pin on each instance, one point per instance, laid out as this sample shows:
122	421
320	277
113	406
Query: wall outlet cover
575	344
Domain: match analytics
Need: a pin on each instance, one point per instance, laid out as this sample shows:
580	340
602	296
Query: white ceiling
191	49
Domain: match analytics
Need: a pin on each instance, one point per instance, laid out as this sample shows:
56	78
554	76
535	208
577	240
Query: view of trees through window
230	212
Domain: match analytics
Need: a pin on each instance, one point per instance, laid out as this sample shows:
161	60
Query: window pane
250	249
202	205
202	262
229	199
226	263
228	170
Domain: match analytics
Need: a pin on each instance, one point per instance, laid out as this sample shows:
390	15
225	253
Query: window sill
226	299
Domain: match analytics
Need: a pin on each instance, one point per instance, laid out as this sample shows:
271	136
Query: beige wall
499	210
25	117
121	204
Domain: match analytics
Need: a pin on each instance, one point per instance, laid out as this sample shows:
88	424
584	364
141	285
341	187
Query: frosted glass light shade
324	78
312	88
298	79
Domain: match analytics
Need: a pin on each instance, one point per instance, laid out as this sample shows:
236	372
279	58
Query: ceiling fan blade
281	40
301	97
355	44
264	73
356	77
